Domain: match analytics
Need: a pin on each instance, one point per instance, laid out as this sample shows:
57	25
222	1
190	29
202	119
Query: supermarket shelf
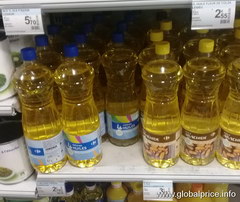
95	5
127	164
25	189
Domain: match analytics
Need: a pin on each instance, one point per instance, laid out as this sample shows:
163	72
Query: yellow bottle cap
202	31
156	35
237	23
206	45
166	25
137	186
237	33
162	48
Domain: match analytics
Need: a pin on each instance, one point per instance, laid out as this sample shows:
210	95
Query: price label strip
51	188
211	14
157	190
25	21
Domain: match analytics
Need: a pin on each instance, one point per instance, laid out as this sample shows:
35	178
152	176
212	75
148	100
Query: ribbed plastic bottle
92	57
220	189
40	118
91	193
161	123
56	41
172	36
79	113
200	111
116	192
48	57
121	99
228	153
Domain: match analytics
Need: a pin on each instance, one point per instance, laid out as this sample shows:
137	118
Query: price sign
22	21
158	190
211	14
51	188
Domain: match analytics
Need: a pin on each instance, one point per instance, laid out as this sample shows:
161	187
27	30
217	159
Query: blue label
36	151
83	147
123	127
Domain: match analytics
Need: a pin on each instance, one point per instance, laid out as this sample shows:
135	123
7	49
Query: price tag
213	14
22	21
51	188
158	190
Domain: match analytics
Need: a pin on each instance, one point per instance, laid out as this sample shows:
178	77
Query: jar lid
10	130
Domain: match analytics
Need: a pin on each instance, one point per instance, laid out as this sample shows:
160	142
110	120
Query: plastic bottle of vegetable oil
40	118
161	123
91	193
200	111
116	192
79	113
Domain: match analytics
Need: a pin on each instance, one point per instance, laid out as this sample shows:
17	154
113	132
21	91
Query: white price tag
158	190
51	188
22	21
211	14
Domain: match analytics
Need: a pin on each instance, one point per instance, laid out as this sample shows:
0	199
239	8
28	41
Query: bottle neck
28	63
210	54
70	59
42	48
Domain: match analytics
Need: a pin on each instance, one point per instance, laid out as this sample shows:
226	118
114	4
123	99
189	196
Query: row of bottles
87	110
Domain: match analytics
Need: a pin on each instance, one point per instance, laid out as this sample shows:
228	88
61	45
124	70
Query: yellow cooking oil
227	55
219	189
41	121
92	57
116	192
121	100
228	153
200	111
136	195
79	113
50	58
161	123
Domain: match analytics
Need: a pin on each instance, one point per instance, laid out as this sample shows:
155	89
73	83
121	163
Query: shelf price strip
157	190
52	188
22	21
213	14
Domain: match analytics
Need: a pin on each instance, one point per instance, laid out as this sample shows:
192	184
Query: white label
46	152
213	14
51	189
157	190
22	21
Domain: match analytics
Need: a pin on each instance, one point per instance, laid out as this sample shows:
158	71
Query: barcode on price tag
158	190
22	21
211	14
51	188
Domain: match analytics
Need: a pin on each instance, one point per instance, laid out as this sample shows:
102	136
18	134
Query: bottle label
83	147
161	147
200	146
123	127
46	152
229	146
102	123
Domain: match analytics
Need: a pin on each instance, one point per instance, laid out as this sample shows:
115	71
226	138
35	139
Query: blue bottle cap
87	28
80	38
41	40
70	50
122	26
69	187
89	184
28	54
118	37
53	29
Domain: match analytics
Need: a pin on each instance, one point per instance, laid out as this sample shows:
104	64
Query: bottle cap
28	54
202	31
137	187
122	26
162	48
206	45
197	188
156	35
237	33
87	28
80	38
70	50
90	185
41	40
237	23
118	37
116	184
53	29
166	25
